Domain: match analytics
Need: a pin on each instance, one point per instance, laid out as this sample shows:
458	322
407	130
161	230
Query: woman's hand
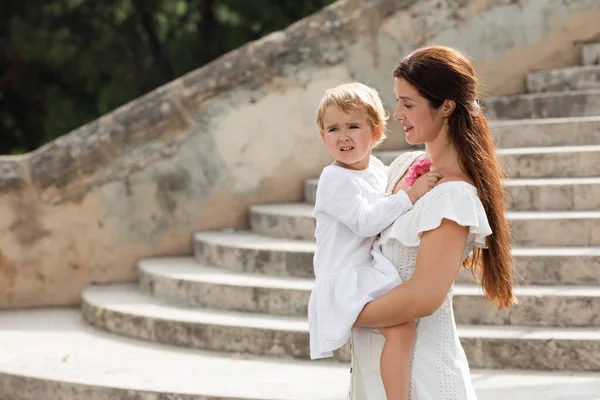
439	259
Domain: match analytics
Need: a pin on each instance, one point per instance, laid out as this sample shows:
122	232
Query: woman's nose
398	116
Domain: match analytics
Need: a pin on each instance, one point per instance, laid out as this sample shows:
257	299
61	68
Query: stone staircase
235	312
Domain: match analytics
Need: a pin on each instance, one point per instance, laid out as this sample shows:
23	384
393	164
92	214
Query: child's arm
422	185
341	198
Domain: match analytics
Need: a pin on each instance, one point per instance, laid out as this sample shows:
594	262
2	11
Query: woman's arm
439	259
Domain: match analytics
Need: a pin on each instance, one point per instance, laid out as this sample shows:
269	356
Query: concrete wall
195	153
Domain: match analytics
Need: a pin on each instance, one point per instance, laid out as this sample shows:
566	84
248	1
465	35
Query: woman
463	215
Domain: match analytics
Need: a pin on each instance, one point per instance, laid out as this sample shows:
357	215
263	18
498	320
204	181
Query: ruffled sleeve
456	201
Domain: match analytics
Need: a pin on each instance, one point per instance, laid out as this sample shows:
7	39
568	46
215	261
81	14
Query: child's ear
377	132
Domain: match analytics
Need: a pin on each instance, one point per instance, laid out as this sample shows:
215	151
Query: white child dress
439	368
350	210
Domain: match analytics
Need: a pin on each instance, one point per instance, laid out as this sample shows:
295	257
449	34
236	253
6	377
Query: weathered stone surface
531	194
577	131
181	281
539	162
193	154
554	194
155	322
118	309
531	351
555	228
557	162
532	50
544	105
310	190
591	54
290	221
78	363
74	159
23	387
246	252
11	174
555	80
553	306
237	251
556	266
295	221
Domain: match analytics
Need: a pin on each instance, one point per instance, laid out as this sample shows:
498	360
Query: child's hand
423	185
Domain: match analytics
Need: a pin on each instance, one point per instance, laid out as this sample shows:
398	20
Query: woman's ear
448	107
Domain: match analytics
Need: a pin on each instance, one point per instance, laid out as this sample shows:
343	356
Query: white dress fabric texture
439	367
350	210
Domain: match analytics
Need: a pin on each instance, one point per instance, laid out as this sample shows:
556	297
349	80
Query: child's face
348	137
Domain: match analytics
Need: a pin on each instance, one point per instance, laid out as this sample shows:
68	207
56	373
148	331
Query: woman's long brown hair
442	73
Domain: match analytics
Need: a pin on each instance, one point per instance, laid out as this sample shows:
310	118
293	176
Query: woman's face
420	121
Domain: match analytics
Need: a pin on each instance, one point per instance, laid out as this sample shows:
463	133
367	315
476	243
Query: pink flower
417	169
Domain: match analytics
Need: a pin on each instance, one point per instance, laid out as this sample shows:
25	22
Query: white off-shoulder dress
439	368
350	210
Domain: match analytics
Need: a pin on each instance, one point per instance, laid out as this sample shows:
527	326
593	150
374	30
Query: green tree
64	63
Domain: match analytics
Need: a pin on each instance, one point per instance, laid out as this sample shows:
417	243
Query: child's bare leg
395	359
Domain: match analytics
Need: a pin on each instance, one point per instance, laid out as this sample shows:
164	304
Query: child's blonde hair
352	97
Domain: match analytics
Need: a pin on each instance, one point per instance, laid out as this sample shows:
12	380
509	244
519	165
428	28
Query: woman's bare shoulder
456	178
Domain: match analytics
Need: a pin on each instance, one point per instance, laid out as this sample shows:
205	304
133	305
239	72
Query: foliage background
64	63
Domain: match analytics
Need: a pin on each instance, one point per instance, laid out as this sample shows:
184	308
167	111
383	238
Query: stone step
559	194
529	229
591	54
185	282
539	162
52	354
579	103
545	132
77	362
244	251
556	80
310	190
121	309
576	228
